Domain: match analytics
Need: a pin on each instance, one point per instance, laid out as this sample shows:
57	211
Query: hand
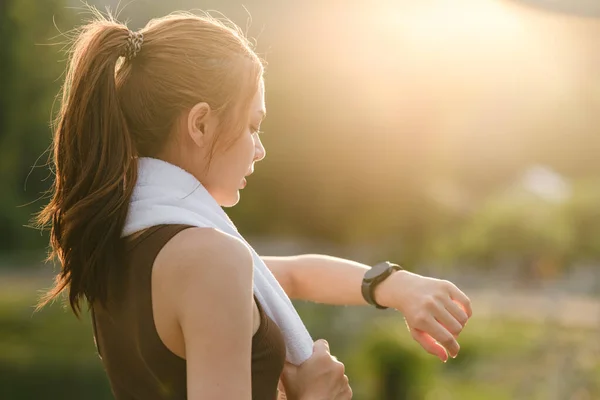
435	310
321	377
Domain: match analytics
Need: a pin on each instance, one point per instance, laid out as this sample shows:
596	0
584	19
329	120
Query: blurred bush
518	228
583	215
388	366
46	355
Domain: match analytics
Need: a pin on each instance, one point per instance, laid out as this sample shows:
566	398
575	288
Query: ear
197	123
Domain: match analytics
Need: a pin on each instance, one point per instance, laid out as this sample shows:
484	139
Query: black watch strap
382	272
367	295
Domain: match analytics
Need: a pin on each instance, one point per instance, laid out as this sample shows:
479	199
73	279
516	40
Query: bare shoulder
198	257
206	246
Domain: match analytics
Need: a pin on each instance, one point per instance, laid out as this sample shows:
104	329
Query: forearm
324	279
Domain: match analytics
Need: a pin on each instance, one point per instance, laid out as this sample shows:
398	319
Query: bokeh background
458	138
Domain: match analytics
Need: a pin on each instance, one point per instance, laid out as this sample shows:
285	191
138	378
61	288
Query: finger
281	389
429	344
444	317
457	312
321	345
343	383
339	366
345	391
462	299
443	337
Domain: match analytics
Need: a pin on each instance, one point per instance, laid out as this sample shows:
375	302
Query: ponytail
95	169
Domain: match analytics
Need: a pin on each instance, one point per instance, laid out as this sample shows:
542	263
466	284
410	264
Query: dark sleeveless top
138	364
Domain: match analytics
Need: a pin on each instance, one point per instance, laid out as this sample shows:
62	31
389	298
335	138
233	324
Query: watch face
376	270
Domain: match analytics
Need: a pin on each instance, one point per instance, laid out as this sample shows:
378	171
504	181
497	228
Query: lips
244	181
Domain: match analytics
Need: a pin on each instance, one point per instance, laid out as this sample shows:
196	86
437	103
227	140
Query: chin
231	200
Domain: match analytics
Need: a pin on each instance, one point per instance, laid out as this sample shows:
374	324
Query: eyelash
255	131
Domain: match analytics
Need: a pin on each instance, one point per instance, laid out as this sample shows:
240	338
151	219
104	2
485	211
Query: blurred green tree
542	237
29	73
583	213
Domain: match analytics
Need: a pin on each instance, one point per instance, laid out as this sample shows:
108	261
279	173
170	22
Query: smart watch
373	277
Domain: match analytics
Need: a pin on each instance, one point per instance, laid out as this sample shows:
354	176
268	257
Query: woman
173	306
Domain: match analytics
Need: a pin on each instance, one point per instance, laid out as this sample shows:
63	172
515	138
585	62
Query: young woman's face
230	165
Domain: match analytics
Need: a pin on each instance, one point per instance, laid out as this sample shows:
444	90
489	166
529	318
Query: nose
259	149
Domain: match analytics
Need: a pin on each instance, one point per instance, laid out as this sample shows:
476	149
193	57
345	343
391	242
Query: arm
319	278
209	283
435	310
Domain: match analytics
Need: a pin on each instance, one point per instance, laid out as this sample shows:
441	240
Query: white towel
167	194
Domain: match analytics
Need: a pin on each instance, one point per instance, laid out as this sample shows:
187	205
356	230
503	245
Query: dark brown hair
114	110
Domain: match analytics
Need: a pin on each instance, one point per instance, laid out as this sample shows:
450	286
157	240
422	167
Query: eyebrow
262	113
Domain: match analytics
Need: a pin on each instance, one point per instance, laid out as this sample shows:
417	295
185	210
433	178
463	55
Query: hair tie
134	44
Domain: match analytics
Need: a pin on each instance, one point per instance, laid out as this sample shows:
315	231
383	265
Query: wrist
385	291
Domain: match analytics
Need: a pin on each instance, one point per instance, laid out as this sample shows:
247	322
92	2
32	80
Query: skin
183	295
